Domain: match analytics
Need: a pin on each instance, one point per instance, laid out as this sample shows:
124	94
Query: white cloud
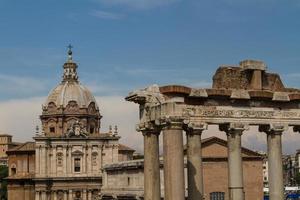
106	15
10	85
138	4
19	118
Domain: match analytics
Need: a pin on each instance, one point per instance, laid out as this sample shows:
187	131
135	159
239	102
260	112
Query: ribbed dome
69	91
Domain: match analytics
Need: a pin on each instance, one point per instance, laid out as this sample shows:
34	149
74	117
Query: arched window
77	164
52	129
217	196
92	129
13	170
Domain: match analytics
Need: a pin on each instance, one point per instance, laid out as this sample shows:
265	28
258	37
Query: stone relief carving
76	130
205	111
72	107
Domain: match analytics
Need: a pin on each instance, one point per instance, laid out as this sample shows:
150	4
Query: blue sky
123	45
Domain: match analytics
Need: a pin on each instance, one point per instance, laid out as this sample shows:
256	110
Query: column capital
172	123
233	128
148	127
275	129
194	128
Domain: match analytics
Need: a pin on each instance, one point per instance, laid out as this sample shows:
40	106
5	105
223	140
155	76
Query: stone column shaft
194	166
235	163
235	166
173	163
276	187
151	166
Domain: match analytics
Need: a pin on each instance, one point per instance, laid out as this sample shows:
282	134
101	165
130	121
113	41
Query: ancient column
173	161
235	165
151	164
194	161
276	187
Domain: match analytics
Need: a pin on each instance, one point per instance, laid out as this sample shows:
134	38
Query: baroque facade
69	151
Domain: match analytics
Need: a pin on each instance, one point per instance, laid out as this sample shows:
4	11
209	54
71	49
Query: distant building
125	180
21	172
6	143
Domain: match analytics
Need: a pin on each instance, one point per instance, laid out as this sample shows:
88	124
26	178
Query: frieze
202	111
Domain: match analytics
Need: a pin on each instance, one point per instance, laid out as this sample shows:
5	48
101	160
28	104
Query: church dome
70	104
70	89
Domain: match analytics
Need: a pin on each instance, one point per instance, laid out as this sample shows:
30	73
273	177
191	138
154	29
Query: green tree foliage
3	182
297	178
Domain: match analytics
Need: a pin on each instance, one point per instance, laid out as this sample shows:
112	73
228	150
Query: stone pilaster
194	160
173	160
37	160
65	195
54	193
235	165
84	195
37	195
275	176
65	158
151	164
70	195
89	160
70	162
89	195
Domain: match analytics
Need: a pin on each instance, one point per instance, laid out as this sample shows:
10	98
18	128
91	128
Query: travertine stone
151	165
173	162
275	176
235	166
194	161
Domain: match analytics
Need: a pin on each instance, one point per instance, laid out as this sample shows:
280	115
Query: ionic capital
275	129
195	128
172	123
148	128
233	128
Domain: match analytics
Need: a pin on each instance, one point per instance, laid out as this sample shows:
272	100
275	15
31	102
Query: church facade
69	150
